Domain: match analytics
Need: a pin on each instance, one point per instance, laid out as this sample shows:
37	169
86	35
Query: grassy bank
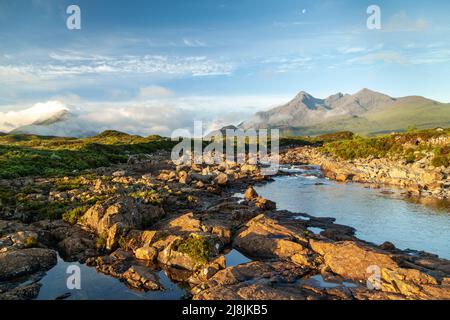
412	146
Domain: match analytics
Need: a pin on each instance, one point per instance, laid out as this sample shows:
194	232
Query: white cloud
153	92
159	115
39	111
193	43
348	50
73	64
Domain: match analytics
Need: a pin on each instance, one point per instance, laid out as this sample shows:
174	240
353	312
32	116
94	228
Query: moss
197	247
441	157
148	196
73	215
100	243
410	156
30	242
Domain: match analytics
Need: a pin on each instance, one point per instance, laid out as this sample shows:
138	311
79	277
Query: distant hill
62	123
365	112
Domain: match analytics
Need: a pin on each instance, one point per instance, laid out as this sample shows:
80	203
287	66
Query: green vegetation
441	157
100	243
73	215
30	242
148	196
30	155
197	247
410	146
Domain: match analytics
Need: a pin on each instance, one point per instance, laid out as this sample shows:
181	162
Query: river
378	215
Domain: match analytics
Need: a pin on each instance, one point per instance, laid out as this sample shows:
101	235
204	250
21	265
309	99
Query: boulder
250	194
115	217
267	239
18	263
146	253
351	259
221	179
201	177
142	278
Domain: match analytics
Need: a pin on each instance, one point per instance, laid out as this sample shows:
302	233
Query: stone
24	239
146	253
265	204
116	216
201	177
119	173
351	259
250	194
265	238
18	263
142	278
221	179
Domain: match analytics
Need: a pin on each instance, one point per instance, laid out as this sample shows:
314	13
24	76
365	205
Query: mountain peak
58	116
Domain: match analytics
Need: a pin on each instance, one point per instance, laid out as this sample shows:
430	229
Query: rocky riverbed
418	179
150	214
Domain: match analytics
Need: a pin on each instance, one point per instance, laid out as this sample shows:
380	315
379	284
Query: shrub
197	247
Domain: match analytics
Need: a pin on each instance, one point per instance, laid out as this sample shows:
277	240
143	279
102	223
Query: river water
377	215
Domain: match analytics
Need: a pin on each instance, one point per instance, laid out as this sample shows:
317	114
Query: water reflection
377	216
95	285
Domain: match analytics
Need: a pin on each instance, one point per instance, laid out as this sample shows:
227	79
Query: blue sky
216	60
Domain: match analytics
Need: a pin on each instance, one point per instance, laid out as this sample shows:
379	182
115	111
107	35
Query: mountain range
61	123
366	112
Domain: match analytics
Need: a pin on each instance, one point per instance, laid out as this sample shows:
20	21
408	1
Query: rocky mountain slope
366	112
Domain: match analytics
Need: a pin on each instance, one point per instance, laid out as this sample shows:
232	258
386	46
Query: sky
155	66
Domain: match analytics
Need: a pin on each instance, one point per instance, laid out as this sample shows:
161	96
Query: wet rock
17	263
21	292
142	278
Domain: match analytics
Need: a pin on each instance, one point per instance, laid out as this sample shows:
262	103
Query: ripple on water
377	217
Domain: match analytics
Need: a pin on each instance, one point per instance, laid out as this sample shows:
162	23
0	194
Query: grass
29	155
410	146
